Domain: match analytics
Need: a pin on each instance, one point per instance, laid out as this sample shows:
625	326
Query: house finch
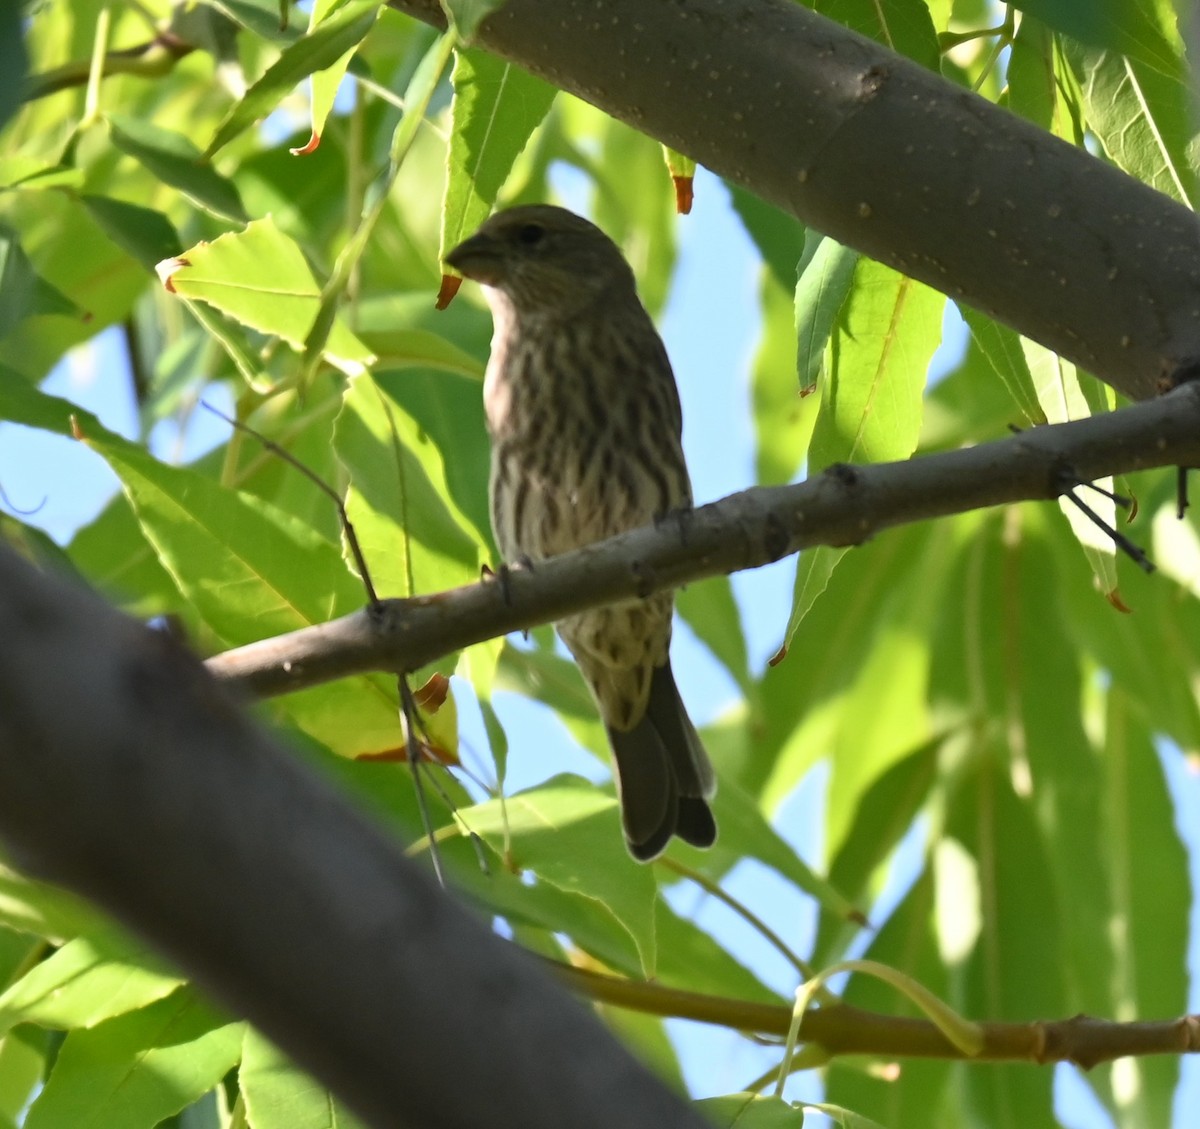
585	423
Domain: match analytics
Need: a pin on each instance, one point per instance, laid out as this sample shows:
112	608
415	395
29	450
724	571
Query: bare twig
842	1029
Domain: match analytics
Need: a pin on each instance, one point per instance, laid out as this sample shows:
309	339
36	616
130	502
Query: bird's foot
503	575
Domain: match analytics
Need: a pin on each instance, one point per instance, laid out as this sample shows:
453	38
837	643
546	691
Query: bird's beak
478	258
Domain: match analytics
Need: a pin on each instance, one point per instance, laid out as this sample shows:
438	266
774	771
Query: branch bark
129	777
844	506
889	158
841	1029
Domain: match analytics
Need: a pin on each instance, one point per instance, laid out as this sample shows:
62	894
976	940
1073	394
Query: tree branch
842	1029
844	506
129	777
889	158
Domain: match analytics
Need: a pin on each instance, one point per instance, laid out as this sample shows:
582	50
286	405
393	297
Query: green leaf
47	911
496	108
1057	384
1002	348
466	15
325	83
1032	86
887	329
14	62
884	338
402	499
634	203
1126	27
746	833
567	831
1010	965
905	940
23	292
1151	894
784	412
172	158
751	1111
804	697
840	1115
279	1095
87	981
23	1054
19	171
401	348
146	235
882	817
826	275
1141	112
260	277
320	48
903	25
137	1069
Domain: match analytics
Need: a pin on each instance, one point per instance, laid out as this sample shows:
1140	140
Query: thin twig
322	485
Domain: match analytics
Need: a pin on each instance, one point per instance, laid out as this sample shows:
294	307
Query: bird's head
543	261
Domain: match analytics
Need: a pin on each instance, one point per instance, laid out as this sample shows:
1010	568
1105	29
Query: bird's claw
502	575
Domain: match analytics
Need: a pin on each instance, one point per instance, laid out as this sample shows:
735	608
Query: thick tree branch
889	158
842	1029
844	506
128	776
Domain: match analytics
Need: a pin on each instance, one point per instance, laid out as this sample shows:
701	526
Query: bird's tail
664	777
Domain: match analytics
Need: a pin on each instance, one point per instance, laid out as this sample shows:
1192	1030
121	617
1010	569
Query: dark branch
128	776
889	158
844	506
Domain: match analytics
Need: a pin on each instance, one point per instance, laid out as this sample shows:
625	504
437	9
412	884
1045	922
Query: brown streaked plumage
585	424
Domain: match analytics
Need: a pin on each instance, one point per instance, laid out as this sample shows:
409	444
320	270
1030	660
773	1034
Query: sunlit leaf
496	107
322	47
259	277
279	1095
173	159
137	1069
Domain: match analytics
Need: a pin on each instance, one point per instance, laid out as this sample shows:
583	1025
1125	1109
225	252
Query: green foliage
994	735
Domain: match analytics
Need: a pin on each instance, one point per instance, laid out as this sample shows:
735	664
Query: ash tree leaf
279	1095
172	158
259	277
146	235
496	108
319	49
885	333
1121	26
1141	114
903	25
1001	348
325	82
402	495
23	292
567	832
826	275
90	979
465	16
1059	391
133	1071
14	62
750	1111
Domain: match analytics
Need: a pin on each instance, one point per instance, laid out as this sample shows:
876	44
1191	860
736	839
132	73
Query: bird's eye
531	234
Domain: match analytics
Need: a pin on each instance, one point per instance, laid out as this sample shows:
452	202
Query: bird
586	428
